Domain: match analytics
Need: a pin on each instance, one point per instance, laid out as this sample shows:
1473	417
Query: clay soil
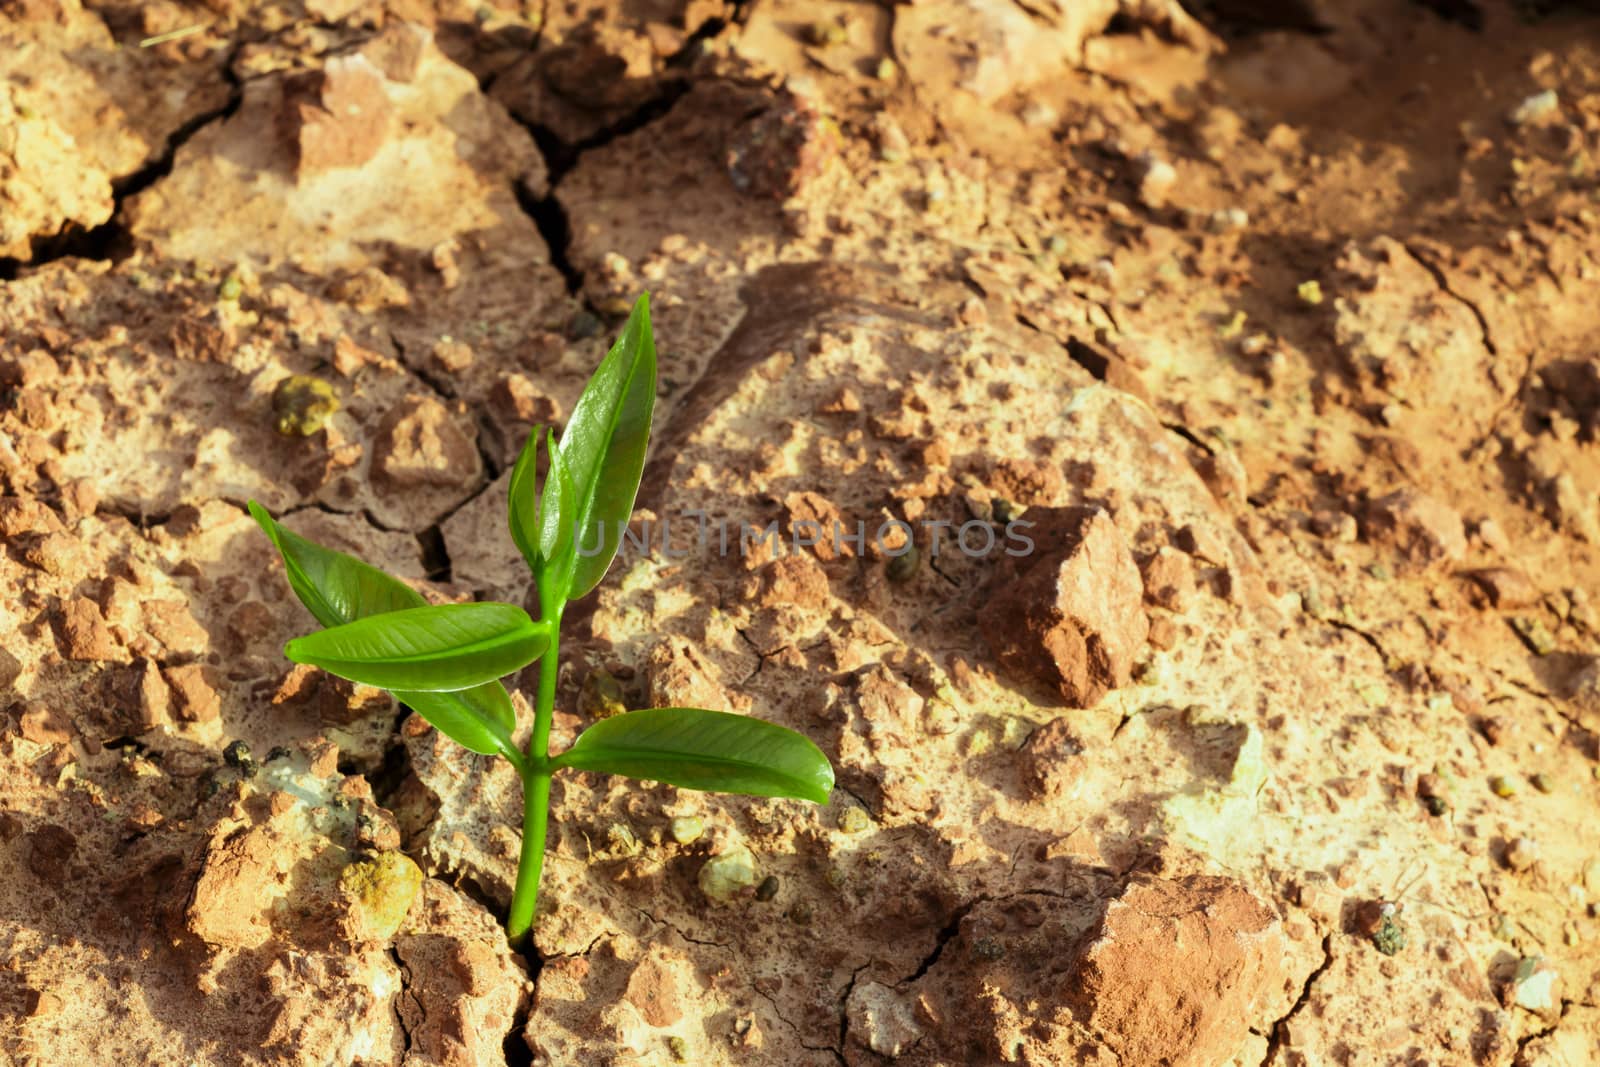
1277	322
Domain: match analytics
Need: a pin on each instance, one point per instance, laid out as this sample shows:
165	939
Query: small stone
1425	533
1309	292
336	117
679	1049
768	888
39	1004
230	289
583	325
302	405
1493	536
1051	759
1502	786
381	890
57	554
1533	986
1157	181
84	633
1535	108
686	829
1542	782
1233	218
419	443
887	69
194	685
1521	854
728	875
43	725
452	356
845	402
155	697
1495	730
853	820
1073	616
902	568
1506	587
349	357
1431	788
1169	578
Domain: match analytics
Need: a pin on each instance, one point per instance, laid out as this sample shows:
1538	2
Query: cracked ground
1275	322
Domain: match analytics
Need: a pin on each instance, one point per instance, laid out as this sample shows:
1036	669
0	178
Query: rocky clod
1424	533
1073	617
1174	970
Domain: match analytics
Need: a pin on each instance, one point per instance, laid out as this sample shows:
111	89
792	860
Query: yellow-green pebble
853	820
687	829
1502	786
301	405
726	876
383	888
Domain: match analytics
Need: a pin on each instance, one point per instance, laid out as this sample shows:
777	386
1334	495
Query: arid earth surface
1276	321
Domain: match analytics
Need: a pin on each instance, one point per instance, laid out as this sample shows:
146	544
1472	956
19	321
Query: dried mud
1275	324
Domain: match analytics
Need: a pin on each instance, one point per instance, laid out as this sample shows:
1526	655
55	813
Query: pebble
1521	854
1158	180
903	568
1535	107
853	820
1232	218
686	829
728	875
302	405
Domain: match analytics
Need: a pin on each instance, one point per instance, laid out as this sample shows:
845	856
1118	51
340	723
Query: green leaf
479	719
338	588
522	501
713	751
334	587
440	648
556	506
603	450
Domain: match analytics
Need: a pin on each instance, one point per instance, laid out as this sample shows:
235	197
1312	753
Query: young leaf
522	501
556	505
334	587
479	719
338	588
603	449
440	648
713	751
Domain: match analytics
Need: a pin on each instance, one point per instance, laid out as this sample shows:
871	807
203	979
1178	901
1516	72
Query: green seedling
445	661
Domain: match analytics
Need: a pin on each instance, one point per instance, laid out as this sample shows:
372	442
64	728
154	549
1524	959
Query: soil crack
112	240
547	212
1278	1030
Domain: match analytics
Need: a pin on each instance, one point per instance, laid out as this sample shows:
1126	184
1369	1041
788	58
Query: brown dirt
1275	320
